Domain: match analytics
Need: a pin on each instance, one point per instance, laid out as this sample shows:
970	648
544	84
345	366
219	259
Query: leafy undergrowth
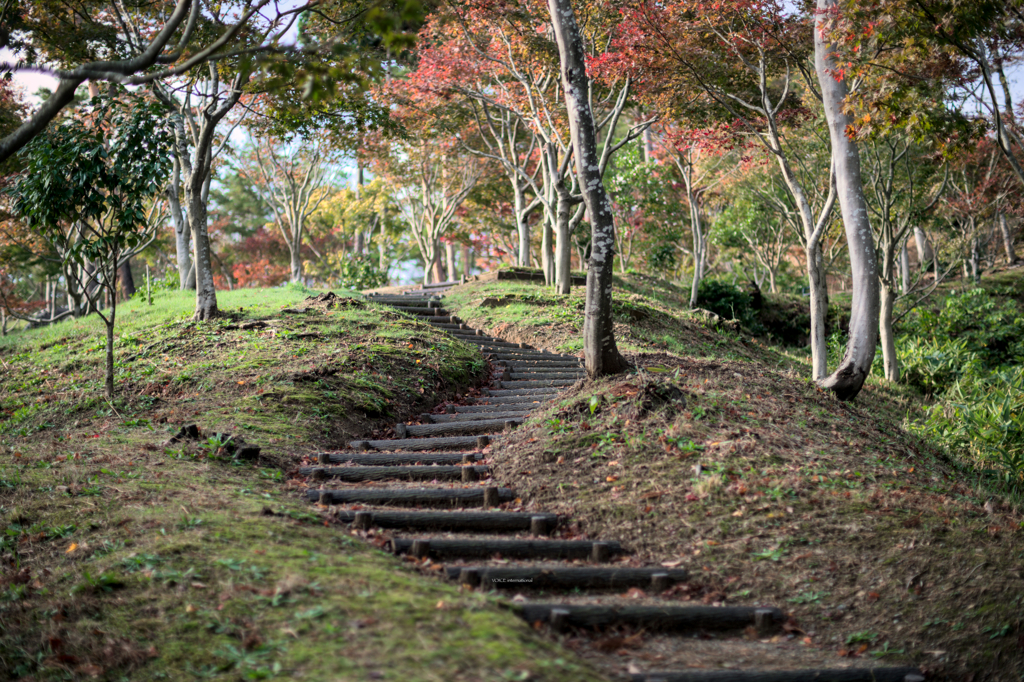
127	558
720	455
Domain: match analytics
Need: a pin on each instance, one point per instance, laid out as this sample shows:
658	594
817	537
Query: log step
422	310
461	521
513	385
400	458
905	674
382	473
455	428
650	618
545	376
471	416
542	367
463	548
482	341
531	355
404	300
540	392
433	319
566	578
423	443
498	407
452	497
528	399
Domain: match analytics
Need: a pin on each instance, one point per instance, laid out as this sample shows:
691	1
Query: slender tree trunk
1004	229
182	233
449	253
467	261
888	335
127	280
925	253
904	268
697	230
206	292
818	309
848	379
547	253
522	224
599	348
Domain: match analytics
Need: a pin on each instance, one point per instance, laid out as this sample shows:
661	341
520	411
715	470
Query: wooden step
425	443
437	497
516	385
456	428
540	366
483	341
422	311
473	416
528	399
531	355
499	407
460	521
650	618
444	319
470	548
404	300
545	376
903	674
522	391
383	473
566	577
399	458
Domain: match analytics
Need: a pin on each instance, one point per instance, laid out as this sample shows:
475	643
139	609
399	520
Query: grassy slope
876	542
124	558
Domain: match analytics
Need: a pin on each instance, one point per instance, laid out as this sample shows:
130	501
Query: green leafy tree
97	177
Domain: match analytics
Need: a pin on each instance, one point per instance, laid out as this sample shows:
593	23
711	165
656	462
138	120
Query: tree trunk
182	234
449	253
206	293
887	333
295	261
127	280
600	352
438	266
467	260
925	253
818	310
522	225
904	269
848	379
1011	255
697	231
547	253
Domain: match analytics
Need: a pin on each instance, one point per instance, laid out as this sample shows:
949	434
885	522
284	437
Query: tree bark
206	292
449	253
1011	256
467	260
182	233
887	333
127	280
600	351
522	225
849	377
925	253
905	269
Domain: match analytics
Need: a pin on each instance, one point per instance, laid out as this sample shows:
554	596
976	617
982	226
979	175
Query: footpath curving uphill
425	483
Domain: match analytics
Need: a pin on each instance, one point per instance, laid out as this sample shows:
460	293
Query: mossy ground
124	558
719	454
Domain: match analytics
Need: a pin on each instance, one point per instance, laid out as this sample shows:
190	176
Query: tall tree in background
601	354
292	178
847	380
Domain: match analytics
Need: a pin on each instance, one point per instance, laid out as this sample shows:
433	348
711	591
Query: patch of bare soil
772	492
